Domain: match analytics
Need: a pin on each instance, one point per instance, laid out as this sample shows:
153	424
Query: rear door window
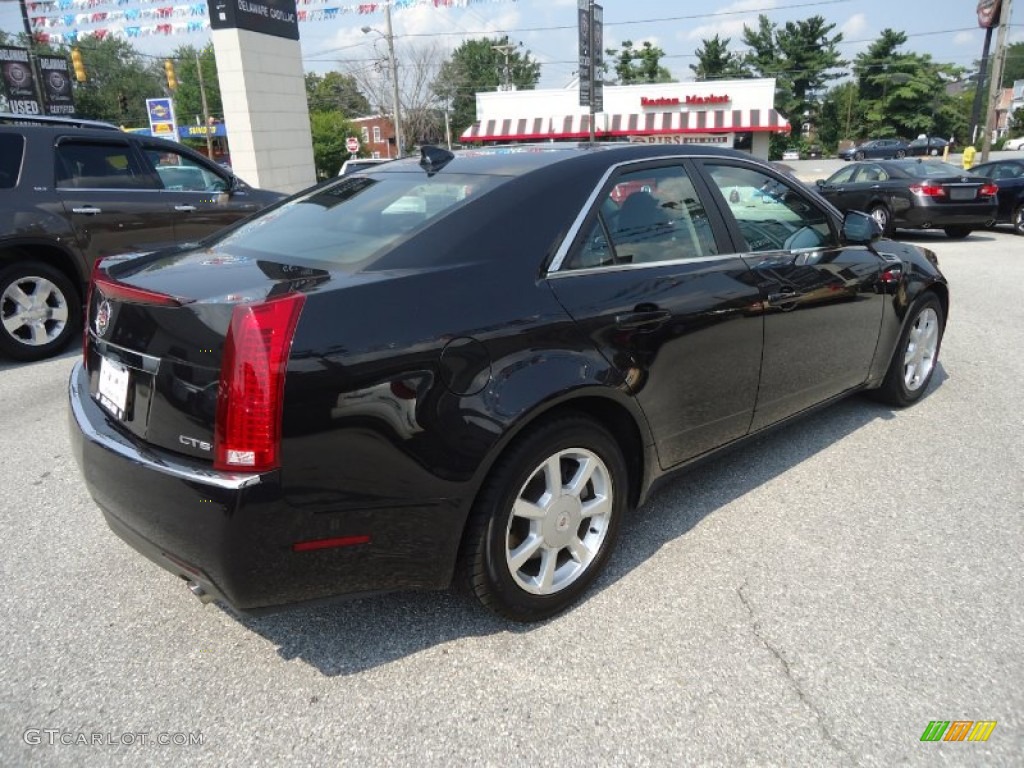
12	151
99	165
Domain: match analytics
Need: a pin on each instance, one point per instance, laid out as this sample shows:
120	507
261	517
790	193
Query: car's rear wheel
882	216
958	232
546	521
913	362
39	310
1018	219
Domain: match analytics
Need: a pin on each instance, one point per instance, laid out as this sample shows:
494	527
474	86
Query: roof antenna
433	159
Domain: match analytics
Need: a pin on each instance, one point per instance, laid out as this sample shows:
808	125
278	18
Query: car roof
517	159
8	118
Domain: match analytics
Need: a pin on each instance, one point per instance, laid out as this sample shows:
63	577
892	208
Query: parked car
932	146
1008	176
1016	144
360	164
914	194
73	191
878	148
352	393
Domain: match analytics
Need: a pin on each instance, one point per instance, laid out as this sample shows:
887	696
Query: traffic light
122	102
172	80
78	65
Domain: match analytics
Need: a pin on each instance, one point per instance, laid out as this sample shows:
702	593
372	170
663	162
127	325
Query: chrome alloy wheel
922	347
881	215
559	521
33	311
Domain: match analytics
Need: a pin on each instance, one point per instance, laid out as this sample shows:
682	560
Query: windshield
355	217
932	170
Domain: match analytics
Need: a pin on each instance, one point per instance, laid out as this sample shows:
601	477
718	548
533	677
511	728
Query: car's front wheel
39	310
883	218
958	232
858	155
900	154
913	362
546	521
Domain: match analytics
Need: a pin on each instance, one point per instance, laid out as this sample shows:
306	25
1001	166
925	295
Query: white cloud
965	38
854	27
728	22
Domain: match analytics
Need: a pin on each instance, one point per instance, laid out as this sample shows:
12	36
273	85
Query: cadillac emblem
102	318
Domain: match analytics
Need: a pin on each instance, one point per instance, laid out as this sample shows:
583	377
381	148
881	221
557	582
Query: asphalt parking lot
815	598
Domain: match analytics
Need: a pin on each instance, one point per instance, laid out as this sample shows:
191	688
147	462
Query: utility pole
506	72
206	110
979	89
394	78
997	76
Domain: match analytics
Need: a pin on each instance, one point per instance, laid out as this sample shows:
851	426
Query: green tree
639	65
334	91
803	58
188	102
477	66
329	129
1013	65
715	61
840	115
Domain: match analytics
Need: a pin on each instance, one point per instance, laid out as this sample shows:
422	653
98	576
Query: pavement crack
788	672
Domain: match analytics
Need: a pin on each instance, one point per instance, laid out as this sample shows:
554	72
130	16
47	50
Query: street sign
597	59
585	63
352	144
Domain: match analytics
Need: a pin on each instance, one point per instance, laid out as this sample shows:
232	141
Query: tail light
928	190
247	436
131	294
988	190
85	313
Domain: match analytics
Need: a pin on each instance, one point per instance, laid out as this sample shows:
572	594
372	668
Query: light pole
393	66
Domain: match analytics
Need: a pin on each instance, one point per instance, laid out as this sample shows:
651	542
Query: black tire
495	533
958	232
1017	219
900	154
48	326
896	390
858	155
881	214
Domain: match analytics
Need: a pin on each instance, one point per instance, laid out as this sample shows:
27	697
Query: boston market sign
673	101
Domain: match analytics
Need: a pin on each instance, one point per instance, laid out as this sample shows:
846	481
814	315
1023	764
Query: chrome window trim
646	265
555	268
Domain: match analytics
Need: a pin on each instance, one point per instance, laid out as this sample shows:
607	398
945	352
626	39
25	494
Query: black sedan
914	194
877	148
473	366
1008	176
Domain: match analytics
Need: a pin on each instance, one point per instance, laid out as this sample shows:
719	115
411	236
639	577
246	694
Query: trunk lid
156	328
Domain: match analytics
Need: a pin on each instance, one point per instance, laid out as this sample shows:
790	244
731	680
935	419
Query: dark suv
73	191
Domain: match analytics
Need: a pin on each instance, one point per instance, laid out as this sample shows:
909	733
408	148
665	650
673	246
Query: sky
946	29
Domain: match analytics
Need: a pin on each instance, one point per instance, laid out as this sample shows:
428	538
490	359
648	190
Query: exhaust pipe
204	596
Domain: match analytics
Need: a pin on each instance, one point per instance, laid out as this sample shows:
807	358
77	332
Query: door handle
87	210
185	208
783	296
646	319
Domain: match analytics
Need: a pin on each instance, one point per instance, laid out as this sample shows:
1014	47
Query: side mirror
820	183
860	229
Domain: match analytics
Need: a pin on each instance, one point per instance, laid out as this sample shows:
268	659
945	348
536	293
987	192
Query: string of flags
62	21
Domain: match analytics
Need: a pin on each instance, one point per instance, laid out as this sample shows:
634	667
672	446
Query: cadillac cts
471	367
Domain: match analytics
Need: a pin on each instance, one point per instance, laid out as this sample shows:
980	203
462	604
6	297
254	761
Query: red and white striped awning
629	124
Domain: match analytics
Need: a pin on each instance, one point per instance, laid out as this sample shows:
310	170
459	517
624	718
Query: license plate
962	193
113	387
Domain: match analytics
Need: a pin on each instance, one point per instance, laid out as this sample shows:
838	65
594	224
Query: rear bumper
233	535
968	214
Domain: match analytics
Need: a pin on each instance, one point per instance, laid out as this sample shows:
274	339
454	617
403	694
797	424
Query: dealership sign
55	76
277	18
19	82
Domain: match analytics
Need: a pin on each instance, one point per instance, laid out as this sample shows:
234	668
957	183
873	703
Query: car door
198	192
648	281
838	188
1009	177
109	197
821	299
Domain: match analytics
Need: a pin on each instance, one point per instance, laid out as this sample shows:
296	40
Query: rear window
931	170
12	149
353	218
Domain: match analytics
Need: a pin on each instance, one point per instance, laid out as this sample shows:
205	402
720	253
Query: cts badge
102	318
194	442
